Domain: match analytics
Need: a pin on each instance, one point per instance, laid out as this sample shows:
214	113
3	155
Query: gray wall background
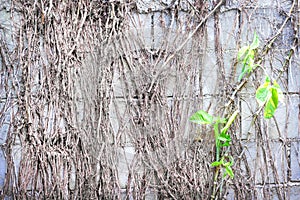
132	95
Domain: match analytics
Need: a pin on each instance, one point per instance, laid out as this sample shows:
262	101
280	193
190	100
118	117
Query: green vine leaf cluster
268	95
246	55
222	138
225	164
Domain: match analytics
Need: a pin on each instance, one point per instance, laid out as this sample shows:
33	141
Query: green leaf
216	163
201	117
242	52
262	94
251	54
248	52
272	104
248	56
231	160
229	171
274	97
224	137
270	96
279	91
225	140
227	164
218	144
216	131
250	64
255	42
267	80
220	120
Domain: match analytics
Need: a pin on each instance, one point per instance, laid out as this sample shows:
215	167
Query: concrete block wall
274	164
7	94
271	147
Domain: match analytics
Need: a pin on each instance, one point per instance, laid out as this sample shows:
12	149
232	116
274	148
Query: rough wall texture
95	99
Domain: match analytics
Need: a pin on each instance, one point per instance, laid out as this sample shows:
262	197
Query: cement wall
267	152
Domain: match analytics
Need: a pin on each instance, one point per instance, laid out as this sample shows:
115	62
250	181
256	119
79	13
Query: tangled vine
96	97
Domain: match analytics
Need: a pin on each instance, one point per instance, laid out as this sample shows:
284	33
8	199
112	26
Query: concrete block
181	31
266	192
294	192
295	161
210	36
5	4
279	162
164	30
2	168
151	195
5	120
249	150
3	132
283	125
229	61
261	162
262	4
5	20
248	109
183	80
128	79
273	66
293	116
8	24
261	21
142	29
119	82
120	120
294	75
180	76
286	39
209	73
145	6
126	164
228	30
251	4
160	30
17	155
276	127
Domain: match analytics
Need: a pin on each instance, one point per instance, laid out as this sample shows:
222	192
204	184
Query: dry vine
99	99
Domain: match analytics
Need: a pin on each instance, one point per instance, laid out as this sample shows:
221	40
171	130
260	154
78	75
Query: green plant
268	95
223	161
222	138
246	55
